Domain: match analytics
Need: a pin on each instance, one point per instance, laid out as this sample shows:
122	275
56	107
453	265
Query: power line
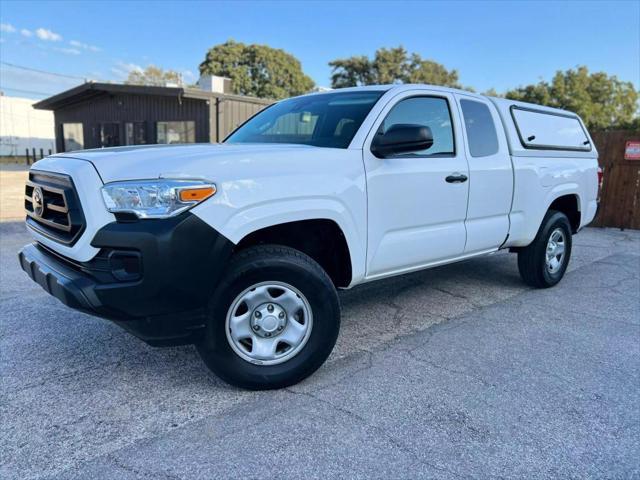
42	71
26	91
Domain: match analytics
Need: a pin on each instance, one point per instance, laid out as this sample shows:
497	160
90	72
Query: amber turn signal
196	194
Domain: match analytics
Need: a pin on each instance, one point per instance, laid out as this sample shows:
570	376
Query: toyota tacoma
239	248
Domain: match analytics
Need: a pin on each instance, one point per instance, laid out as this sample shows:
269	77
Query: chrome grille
53	208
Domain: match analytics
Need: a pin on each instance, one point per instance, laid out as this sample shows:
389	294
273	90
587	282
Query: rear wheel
274	319
542	264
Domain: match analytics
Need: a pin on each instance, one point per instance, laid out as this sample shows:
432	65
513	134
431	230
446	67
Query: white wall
22	127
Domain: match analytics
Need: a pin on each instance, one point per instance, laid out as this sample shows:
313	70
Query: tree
154	76
492	92
602	101
390	65
257	70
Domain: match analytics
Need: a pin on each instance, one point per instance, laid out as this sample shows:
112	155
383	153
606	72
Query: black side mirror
402	138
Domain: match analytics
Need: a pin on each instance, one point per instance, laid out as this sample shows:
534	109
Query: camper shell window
542	130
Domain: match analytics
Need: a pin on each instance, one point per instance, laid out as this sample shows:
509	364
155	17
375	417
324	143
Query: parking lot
456	372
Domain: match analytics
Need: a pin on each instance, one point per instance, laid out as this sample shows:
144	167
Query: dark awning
89	90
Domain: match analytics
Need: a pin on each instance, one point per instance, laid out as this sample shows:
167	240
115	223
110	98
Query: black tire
263	264
532	259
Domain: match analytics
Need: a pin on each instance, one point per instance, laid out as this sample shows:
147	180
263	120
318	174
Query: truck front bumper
154	278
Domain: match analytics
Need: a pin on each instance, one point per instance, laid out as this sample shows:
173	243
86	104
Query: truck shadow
475	282
495	271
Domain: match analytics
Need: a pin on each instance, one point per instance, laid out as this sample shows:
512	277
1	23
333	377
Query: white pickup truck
239	248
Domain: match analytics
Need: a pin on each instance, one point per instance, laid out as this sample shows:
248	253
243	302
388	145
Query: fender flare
257	216
527	227
564	190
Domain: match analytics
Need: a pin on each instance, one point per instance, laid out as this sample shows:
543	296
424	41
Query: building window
176	132
110	135
73	136
135	133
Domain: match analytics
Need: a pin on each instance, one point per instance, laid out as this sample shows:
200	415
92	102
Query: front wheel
542	263
274	319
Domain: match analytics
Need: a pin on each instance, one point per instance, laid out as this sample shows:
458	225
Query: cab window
481	131
432	112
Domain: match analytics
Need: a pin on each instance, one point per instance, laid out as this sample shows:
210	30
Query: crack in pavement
381	431
138	471
460	296
399	309
466	373
367	366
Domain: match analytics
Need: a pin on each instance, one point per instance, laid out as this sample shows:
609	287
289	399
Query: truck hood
205	161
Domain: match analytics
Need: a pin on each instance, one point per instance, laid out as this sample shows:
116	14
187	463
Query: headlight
155	198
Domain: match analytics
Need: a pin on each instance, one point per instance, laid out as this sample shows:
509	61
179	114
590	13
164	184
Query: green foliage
390	65
492	92
352	71
257	70
601	100
632	125
154	76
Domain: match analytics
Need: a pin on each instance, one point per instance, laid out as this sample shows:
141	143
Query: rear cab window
543	130
481	131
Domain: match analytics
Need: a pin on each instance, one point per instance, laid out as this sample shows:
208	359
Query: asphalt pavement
456	372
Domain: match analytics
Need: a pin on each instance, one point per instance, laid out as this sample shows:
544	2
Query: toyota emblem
37	201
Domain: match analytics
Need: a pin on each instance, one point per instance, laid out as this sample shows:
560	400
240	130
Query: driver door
417	202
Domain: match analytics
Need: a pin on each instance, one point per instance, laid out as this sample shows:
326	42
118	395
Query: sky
498	45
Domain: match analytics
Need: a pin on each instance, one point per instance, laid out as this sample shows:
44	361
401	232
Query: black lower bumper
153	277
68	286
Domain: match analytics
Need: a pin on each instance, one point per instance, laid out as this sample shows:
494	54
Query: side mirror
402	138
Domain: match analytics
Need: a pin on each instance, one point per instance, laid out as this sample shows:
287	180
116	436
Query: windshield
325	120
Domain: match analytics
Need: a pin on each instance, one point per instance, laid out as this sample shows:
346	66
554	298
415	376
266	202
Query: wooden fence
620	195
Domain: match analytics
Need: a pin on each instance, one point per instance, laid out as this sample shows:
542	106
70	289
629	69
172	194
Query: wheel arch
569	204
237	224
526	223
322	239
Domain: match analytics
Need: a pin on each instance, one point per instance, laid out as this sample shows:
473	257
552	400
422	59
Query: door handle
456	178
